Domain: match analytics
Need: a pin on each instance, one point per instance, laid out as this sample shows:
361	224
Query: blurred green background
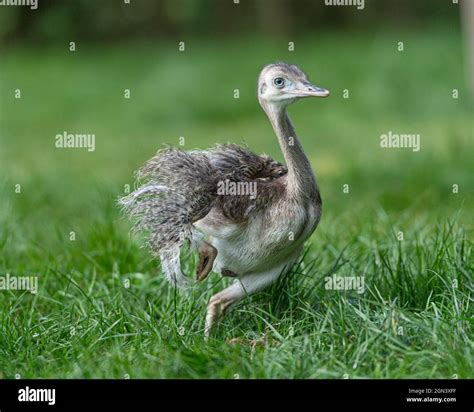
113	20
190	94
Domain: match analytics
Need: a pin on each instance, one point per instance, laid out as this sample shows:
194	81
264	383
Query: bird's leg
207	255
221	302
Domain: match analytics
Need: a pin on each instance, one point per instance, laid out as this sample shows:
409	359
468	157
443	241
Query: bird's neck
301	179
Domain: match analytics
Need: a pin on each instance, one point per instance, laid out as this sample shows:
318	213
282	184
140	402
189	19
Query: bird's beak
310	90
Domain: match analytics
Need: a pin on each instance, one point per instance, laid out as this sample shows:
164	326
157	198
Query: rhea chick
253	238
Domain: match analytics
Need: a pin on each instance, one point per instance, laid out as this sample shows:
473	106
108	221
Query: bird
253	238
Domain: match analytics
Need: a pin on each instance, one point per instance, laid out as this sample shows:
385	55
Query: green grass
415	318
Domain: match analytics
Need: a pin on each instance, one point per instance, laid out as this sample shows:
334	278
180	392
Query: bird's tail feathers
178	188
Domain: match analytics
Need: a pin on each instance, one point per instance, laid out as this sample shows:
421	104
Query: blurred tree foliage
109	20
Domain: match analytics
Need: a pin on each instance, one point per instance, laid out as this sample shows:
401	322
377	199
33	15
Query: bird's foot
207	255
217	307
261	342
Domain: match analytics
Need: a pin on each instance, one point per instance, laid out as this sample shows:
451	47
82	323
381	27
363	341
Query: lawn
103	310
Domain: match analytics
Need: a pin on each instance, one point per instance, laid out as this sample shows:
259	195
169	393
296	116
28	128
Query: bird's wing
237	206
239	164
249	182
178	188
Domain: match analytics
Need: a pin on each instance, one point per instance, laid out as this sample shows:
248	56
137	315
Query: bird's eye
279	82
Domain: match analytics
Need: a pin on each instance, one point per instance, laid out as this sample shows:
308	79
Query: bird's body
255	235
265	238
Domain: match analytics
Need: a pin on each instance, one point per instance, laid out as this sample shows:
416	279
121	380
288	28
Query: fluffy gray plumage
178	188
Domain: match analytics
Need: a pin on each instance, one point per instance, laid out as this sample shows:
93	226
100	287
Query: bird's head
282	84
